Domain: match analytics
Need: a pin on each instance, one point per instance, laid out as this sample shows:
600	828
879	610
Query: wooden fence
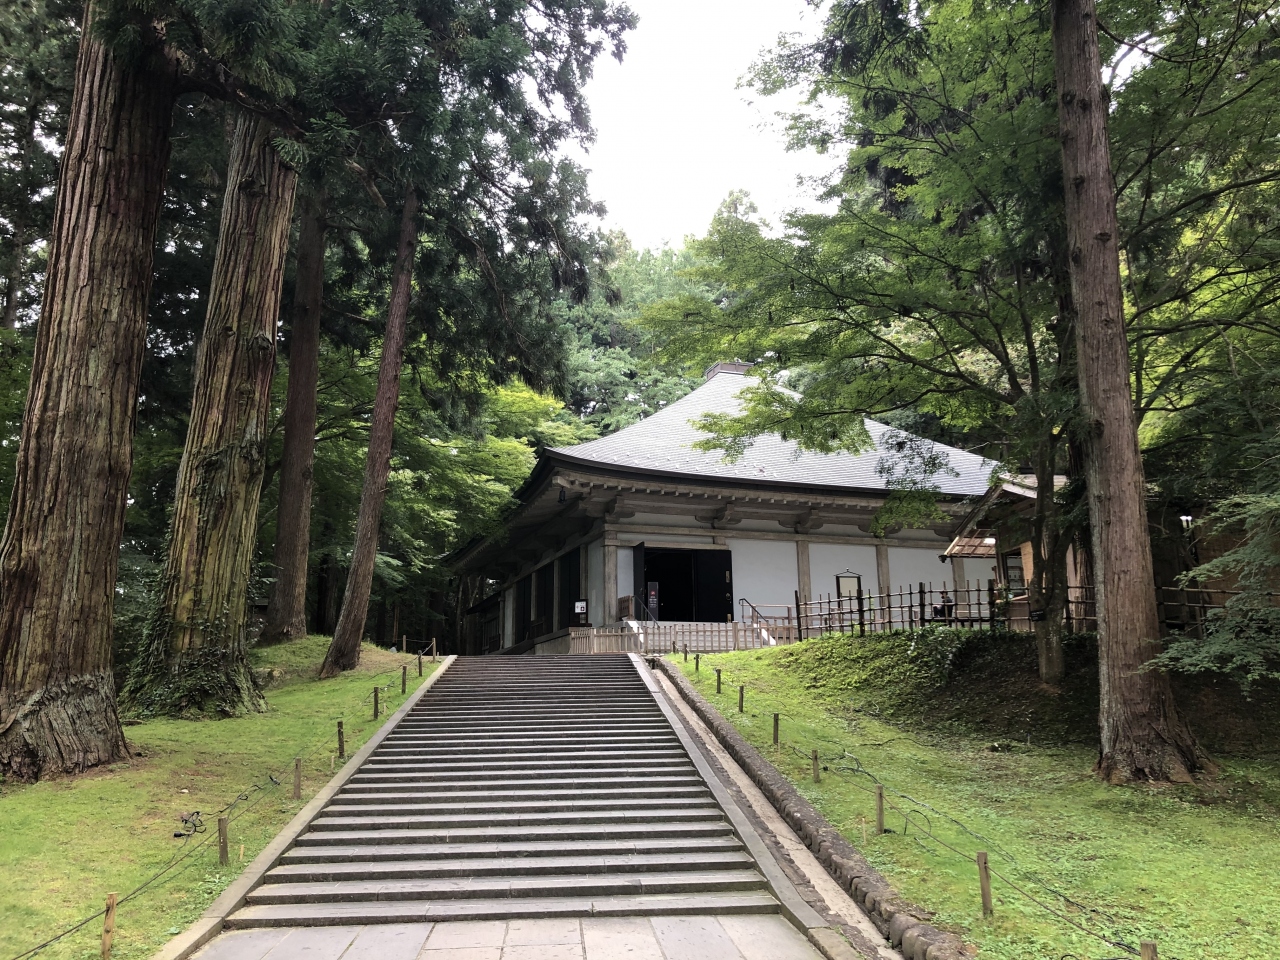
973	606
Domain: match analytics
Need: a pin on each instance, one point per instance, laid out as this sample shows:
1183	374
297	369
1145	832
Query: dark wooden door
713	585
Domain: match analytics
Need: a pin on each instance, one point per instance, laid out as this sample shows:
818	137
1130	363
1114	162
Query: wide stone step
371	821
567	864
519	792
481	888
433	806
510	766
543	741
535	752
341	833
543	731
652	905
523	784
477	853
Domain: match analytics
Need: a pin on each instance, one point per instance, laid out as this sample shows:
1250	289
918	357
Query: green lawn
65	844
1193	868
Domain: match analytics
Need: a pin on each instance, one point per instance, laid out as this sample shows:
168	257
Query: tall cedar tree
195	655
287	610
66	512
1143	735
504	212
344	651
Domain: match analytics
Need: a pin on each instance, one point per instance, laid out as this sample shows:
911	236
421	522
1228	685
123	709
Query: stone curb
903	924
210	923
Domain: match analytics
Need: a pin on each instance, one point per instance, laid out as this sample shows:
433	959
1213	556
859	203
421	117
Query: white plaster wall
828	559
908	567
764	572
595	582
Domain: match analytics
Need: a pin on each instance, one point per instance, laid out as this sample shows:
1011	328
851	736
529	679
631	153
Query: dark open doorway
692	585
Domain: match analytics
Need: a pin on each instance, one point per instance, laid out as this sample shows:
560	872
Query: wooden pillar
883	584
555	595
610	582
803	571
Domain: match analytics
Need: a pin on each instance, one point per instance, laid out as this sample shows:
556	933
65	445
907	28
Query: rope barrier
194	823
925	825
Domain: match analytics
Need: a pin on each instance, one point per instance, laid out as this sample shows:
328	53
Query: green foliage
615	374
1113	860
121	820
37	61
15	368
1242	639
918	660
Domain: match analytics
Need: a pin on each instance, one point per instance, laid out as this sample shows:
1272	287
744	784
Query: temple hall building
642	524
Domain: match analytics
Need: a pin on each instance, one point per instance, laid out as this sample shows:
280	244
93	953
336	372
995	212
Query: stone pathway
524	808
758	937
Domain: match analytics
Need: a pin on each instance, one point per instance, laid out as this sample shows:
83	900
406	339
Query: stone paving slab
751	937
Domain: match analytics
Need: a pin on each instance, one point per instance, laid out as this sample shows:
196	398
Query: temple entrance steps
518	787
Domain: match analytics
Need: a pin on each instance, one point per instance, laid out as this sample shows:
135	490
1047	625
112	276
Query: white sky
675	135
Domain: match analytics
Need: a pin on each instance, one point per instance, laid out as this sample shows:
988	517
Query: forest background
934	296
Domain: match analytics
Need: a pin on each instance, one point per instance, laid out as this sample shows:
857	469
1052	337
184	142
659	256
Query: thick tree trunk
1142	735
1047	585
287	612
344	651
66	514
195	656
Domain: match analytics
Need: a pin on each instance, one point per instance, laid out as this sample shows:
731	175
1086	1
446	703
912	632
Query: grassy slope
65	844
1192	868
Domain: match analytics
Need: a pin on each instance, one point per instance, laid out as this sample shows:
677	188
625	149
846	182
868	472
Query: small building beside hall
643	523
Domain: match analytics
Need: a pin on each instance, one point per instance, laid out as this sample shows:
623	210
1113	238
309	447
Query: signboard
1037	616
580	613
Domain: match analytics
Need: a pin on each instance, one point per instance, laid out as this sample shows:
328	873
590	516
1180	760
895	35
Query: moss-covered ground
65	844
983	757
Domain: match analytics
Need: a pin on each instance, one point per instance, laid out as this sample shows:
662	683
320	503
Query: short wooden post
742	693
673	647
433	649
224	856
697	661
342	742
862	615
686	653
297	778
404	678
816	776
404	643
419	663
108	926
984	881
717	679
775	729
799	617
1149	951
879	809
375	703
991	604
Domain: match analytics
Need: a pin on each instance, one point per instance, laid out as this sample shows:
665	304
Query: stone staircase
518	787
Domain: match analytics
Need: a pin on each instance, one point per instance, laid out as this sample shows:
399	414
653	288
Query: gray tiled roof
663	443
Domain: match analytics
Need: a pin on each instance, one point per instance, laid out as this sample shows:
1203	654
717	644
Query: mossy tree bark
1142	734
66	513
195	657
287	611
344	650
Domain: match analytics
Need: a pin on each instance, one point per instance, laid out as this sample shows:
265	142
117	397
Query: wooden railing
973	606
